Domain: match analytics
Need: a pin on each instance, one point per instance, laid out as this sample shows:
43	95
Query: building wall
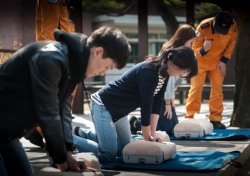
17	19
17	23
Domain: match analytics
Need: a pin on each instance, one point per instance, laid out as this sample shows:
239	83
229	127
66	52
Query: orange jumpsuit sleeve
198	43
231	44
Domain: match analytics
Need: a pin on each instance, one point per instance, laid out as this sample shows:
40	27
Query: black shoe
138	124
35	138
132	123
80	132
76	131
218	125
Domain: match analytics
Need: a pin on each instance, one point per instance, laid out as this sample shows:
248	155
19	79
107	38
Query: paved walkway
85	120
39	159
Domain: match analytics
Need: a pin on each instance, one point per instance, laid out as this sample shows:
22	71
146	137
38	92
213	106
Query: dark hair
180	37
183	57
113	42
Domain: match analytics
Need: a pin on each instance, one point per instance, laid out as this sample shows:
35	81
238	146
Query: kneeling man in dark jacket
35	85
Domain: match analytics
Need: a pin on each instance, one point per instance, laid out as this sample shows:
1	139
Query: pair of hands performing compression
74	166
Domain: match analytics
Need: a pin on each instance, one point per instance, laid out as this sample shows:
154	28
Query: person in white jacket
184	36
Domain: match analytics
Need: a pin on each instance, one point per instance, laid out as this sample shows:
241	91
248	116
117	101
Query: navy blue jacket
132	90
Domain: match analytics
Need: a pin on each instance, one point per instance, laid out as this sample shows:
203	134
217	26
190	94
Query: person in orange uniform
213	47
51	15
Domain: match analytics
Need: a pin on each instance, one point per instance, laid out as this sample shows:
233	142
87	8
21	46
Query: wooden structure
182	91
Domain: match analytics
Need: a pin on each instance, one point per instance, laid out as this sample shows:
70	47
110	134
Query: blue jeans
13	160
110	138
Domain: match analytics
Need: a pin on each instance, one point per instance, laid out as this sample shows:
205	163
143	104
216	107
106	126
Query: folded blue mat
226	134
184	161
218	134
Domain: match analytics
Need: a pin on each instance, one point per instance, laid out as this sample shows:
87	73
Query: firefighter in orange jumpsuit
50	15
213	48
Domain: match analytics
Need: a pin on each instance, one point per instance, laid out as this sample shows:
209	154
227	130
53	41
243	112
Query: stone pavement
84	120
39	159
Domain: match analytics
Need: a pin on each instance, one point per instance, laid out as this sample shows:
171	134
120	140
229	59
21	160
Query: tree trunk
241	112
167	16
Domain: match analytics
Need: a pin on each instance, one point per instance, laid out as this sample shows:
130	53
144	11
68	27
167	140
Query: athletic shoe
35	138
76	131
132	123
218	125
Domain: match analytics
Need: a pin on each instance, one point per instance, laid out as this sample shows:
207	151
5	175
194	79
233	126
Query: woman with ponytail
184	36
143	87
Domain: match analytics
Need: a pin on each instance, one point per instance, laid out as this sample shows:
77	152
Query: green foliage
102	5
204	10
180	3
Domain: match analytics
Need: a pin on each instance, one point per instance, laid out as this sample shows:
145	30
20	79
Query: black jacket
35	85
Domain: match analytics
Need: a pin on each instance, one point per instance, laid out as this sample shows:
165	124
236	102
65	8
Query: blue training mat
184	161
220	135
226	134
